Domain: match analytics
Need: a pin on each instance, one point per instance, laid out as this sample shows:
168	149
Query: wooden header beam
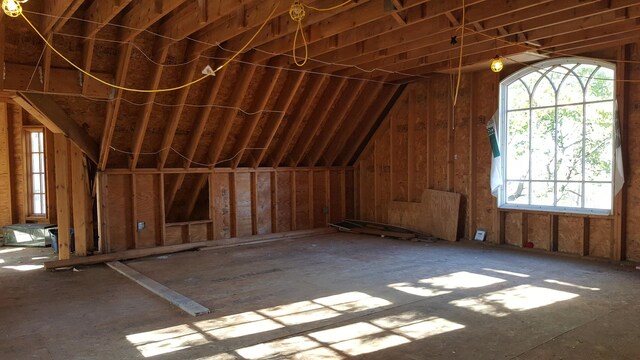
55	119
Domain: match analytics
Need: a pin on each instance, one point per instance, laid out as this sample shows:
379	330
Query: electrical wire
295	42
329	8
135	46
297	14
212	73
454	95
184	156
548	52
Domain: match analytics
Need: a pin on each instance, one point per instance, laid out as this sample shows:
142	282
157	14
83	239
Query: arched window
556	132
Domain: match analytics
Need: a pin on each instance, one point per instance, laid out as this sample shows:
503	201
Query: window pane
518	145
558	73
44	185
35	141
544	94
569	194
584	71
569	143
531	79
570	91
42	162
36	188
601	85
543	123
542	193
518	96
35	163
518	192
37	204
597	196
598	141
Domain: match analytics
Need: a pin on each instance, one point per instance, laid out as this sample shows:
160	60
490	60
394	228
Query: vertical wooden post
232	205
212	207
18	166
584	251
310	194
429	142
327	197
620	200
6	216
294	197
103	219
163	228
525	229
63	195
473	188
411	158
134	214
254	200
553	232
274	201
82	202
343	194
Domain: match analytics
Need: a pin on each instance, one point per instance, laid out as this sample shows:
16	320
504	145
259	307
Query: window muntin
36	175
557	129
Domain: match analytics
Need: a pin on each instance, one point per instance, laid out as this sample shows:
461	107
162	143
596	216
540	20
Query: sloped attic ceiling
262	109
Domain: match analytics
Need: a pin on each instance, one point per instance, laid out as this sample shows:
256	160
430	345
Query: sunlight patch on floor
25	267
10	250
417	289
166	340
505	272
253	322
354	339
519	298
571	285
461	280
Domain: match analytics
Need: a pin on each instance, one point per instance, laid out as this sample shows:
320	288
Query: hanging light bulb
296	11
496	64
12	7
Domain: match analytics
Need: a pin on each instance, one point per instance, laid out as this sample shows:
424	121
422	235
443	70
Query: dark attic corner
319	179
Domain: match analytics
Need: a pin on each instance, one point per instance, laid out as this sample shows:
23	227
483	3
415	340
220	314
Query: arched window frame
545	67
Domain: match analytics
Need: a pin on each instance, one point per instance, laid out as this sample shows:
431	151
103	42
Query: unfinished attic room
320	179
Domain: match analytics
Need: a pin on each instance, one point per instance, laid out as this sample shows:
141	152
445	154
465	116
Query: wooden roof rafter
274	120
316	120
345	102
265	89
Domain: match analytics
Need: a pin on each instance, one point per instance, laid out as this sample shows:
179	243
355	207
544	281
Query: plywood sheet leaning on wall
438	214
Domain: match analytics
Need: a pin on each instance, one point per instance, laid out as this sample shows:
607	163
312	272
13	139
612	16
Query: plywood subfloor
336	296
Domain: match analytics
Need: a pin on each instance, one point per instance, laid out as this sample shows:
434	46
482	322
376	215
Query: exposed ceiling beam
344	103
114	107
263	93
273	120
316	120
358	137
347	129
52	116
228	118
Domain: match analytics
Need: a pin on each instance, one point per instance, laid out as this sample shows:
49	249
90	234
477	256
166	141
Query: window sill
596	213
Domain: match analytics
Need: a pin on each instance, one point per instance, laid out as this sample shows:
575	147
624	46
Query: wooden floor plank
187	305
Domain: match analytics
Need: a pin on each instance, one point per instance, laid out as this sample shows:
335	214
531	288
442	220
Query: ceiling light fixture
296	11
496	64
12	7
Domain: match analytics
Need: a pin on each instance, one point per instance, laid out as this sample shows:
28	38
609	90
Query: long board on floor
184	303
139	253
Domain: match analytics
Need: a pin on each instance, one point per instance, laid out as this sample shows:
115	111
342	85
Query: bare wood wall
423	145
241	202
